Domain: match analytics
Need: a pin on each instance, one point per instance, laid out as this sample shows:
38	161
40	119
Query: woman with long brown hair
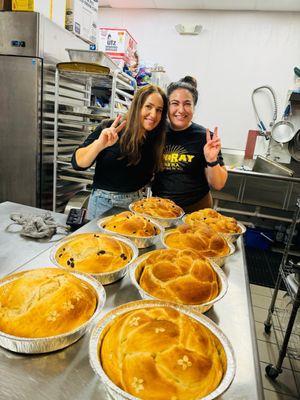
127	153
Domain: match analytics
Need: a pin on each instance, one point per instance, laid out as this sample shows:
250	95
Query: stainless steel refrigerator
30	46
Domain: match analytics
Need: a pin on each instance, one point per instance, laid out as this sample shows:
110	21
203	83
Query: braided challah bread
157	207
180	276
159	353
201	238
128	223
45	302
93	253
215	220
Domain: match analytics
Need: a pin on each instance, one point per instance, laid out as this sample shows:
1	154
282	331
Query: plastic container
259	238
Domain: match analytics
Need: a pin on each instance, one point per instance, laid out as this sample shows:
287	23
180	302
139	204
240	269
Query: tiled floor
287	384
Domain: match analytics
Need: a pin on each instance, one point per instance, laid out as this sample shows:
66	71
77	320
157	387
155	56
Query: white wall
236	52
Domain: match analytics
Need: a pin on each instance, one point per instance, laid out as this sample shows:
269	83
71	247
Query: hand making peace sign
213	146
109	136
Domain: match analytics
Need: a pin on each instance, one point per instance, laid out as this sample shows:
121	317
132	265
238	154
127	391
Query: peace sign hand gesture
109	136
213	146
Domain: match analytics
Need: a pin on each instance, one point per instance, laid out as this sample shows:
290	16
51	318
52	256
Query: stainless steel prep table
16	250
66	374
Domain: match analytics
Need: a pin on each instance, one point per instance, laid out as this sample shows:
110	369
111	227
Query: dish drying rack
291	337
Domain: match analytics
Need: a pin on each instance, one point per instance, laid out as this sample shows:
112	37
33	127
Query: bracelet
212	164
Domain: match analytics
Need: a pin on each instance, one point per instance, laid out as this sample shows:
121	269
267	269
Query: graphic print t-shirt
183	179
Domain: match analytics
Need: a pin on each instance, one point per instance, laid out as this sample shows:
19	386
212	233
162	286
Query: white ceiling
251	5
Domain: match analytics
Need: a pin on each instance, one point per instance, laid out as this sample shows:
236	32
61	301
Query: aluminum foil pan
52	343
220	261
140	242
233	237
96	340
105	277
165	222
137	269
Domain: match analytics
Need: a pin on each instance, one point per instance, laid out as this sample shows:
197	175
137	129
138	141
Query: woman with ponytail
192	154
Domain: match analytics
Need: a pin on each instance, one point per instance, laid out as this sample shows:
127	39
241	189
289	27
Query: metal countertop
10	240
66	374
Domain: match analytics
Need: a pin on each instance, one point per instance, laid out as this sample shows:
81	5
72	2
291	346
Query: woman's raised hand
109	136
212	147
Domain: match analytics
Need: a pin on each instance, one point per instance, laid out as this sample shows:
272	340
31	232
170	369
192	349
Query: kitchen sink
267	166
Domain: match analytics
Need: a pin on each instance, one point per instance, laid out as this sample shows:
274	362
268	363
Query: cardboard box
5	5
58	14
42	6
81	19
52	9
117	43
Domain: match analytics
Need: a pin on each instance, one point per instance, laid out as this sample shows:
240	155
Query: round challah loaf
201	238
93	253
180	276
128	223
45	302
159	353
214	220
157	207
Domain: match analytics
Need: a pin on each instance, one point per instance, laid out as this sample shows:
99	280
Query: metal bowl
136	270
104	277
52	343
165	222
98	333
140	241
92	56
219	260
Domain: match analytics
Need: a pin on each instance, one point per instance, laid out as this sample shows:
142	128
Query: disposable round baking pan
219	260
52	343
165	222
104	277
136	270
99	331
141	242
232	237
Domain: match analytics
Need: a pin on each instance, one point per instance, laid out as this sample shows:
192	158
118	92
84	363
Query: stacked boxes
81	19
42	6
52	9
118	44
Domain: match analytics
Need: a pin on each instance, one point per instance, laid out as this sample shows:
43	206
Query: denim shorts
102	200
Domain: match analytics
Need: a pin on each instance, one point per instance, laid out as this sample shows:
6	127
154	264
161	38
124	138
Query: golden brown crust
93	253
130	224
180	276
45	302
157	207
200	238
215	220
158	353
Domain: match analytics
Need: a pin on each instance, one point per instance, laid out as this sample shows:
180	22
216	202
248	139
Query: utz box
117	43
81	18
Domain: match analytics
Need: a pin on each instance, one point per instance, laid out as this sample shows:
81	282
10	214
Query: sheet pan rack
73	117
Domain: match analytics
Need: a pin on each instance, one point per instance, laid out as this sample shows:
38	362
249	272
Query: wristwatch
212	164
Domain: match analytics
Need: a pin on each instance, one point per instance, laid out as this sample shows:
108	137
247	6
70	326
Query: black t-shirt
113	173
183	179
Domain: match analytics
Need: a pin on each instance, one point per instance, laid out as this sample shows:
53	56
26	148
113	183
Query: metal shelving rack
291	339
74	118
